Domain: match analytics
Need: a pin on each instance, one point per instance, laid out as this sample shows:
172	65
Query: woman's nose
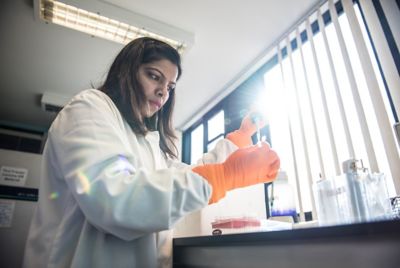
162	90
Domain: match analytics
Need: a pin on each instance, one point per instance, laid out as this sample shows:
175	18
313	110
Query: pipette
256	118
258	133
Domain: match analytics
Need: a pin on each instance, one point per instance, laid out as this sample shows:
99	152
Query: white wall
12	239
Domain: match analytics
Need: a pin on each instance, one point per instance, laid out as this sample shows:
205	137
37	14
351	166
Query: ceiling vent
51	102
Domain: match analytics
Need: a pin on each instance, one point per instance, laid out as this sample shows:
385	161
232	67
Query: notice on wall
6	213
13	176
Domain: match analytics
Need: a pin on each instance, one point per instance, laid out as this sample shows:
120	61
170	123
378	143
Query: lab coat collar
153	137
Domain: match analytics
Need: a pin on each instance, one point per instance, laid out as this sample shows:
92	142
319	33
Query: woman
111	186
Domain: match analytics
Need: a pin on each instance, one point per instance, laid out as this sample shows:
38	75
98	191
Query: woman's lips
157	104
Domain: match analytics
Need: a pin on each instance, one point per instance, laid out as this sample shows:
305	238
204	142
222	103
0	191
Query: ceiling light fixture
97	25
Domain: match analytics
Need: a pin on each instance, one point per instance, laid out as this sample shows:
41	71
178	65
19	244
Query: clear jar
282	197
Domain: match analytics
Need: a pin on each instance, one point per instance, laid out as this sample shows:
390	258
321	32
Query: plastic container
355	196
282	197
327	203
332	201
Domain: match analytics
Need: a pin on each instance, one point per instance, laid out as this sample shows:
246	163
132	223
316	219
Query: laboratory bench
365	245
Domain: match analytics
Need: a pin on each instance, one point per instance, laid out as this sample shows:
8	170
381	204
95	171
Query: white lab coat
107	196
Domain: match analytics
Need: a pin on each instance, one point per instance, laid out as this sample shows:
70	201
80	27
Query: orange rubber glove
242	137
244	167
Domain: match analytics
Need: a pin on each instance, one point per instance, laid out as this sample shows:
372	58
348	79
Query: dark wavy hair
123	87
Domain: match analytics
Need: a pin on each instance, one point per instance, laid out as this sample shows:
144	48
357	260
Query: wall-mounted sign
19	193
6	213
14	176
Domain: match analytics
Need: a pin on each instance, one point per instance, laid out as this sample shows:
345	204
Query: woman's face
157	78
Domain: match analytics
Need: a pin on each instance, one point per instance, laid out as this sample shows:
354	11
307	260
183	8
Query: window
216	129
208	134
332	92
330	100
197	137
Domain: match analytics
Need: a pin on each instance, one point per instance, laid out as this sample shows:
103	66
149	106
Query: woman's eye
171	87
154	76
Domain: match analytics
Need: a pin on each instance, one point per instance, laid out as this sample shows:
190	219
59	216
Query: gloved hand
242	137
244	167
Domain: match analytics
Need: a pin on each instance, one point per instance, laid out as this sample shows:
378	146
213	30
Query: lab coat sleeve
99	167
222	150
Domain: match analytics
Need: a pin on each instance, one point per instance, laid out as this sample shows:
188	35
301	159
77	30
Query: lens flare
83	183
54	195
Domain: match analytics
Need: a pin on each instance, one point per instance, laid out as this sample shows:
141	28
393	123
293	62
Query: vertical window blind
334	95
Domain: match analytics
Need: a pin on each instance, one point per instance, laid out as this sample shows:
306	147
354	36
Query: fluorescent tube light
98	25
